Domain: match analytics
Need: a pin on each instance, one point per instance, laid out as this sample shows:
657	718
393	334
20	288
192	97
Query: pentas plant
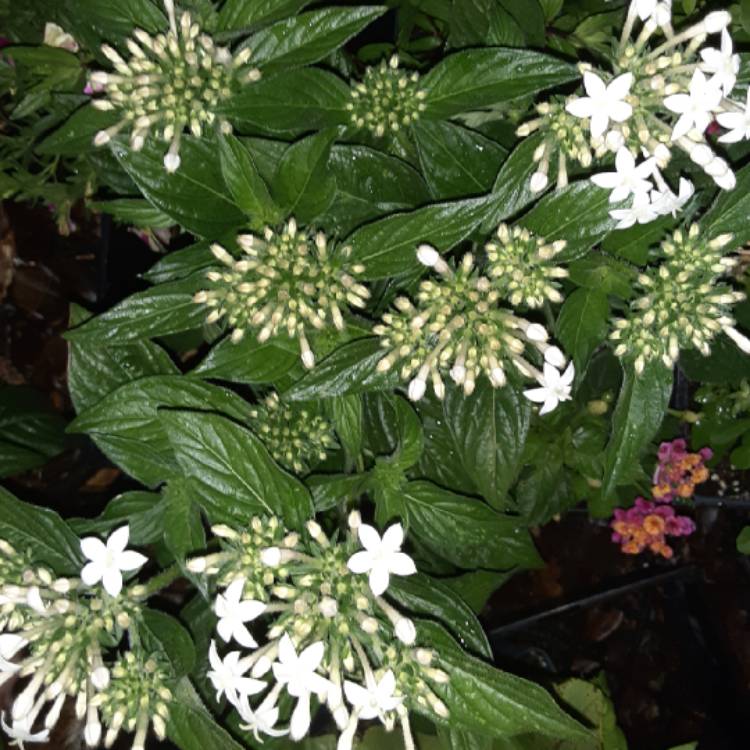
436	266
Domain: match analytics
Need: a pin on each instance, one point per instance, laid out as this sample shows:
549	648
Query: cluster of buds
329	630
681	305
286	283
646	526
521	267
458	326
658	97
386	100
295	437
678	471
53	632
171	82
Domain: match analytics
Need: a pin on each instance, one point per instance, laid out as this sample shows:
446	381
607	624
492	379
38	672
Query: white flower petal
112	581
94	549
379	579
118	539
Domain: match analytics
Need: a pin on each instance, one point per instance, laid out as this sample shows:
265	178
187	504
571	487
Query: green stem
160	581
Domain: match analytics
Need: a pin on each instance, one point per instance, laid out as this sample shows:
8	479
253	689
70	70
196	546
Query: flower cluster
286	283
386	100
678	471
294	436
329	630
658	97
457	326
681	305
171	82
55	633
646	526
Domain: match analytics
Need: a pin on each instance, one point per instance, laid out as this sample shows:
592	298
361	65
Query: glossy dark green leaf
239	14
578	213
640	409
489	429
232	473
76	134
158	311
346	412
725	364
291	103
463	739
456	161
477	586
247	361
162	632
303	186
487	700
308	37
478	78
730	210
328	490
195	196
348	370
180	264
743	541
183	526
429	597
41	531
583	324
388	247
31	432
529	16
370	184
95	370
483	22
127	427
633	244
408	428
545	492
465	531
604	274
245	184
134	211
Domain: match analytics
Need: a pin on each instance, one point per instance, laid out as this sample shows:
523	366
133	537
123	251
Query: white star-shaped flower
108	561
555	387
604	102
233	613
641	211
261	720
695	107
10	645
20	732
644	8
297	673
381	557
227	675
666	202
628	179
376	698
737	123
722	63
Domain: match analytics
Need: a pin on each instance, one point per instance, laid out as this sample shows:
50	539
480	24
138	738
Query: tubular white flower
227	675
695	108
109	561
381	557
233	612
628	179
604	102
641	211
555	387
722	63
737	122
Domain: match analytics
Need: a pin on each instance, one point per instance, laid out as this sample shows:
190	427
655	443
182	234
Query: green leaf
328	490
465	531
545	492
308	37
303	187
429	596
291	103
730	210
194	196
743	541
245	184
529	16
158	311
239	14
603	274
31	433
583	324
456	161
489	430
486	700
578	213
180	264
462	739
134	211
476	587
164	633
388	247
410	442
479	78
127	427
633	244
183	527
640	409
347	421
95	370
41	531
247	361
370	184
350	369
93	21
232	473
76	134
